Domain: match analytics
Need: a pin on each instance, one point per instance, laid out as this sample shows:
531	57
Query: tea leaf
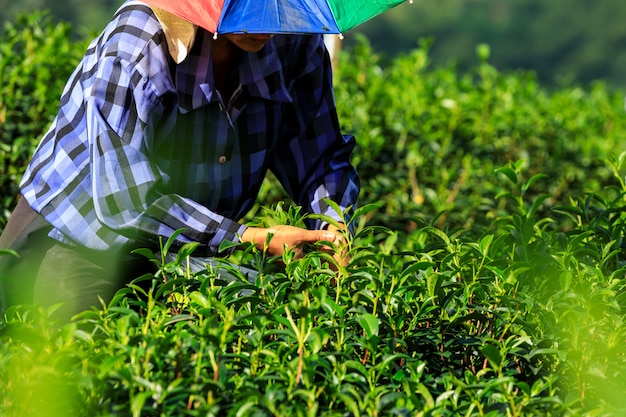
370	324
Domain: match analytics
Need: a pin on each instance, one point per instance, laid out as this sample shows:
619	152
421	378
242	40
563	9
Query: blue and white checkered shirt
142	147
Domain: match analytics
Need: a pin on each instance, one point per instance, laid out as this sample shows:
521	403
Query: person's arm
314	164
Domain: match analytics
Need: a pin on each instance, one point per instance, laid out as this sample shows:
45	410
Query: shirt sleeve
314	163
123	108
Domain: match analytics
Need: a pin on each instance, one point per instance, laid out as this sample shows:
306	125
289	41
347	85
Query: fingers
277	239
325	235
339	248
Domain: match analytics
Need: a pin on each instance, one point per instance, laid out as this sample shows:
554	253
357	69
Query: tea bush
430	139
485	276
36	59
523	321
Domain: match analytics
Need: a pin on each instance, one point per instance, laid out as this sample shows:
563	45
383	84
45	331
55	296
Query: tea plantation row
485	278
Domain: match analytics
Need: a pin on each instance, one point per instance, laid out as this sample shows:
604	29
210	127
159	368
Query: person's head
180	35
248	42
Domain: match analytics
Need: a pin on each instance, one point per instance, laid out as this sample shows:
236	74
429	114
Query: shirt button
221	159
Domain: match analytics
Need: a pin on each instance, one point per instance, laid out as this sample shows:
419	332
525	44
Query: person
164	126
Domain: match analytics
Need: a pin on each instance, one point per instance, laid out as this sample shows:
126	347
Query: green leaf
440	234
332	308
370	324
226	245
9	252
137	403
509	173
147	253
492	354
186	250
179	318
364	210
485	243
532	180
119	295
200	299
171	240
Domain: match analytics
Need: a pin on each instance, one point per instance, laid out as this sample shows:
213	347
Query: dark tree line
563	41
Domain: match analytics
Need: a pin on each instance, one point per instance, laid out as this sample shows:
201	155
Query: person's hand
287	238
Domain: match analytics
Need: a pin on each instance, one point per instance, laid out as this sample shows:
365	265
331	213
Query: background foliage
563	41
486	276
36	59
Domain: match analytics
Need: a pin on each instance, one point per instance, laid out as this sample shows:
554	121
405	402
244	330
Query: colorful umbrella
276	16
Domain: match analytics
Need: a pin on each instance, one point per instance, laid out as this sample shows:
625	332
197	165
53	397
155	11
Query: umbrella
276	16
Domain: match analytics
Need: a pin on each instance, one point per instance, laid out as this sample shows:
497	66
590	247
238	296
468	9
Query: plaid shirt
142	147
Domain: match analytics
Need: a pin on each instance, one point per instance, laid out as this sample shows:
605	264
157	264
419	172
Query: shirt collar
261	74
